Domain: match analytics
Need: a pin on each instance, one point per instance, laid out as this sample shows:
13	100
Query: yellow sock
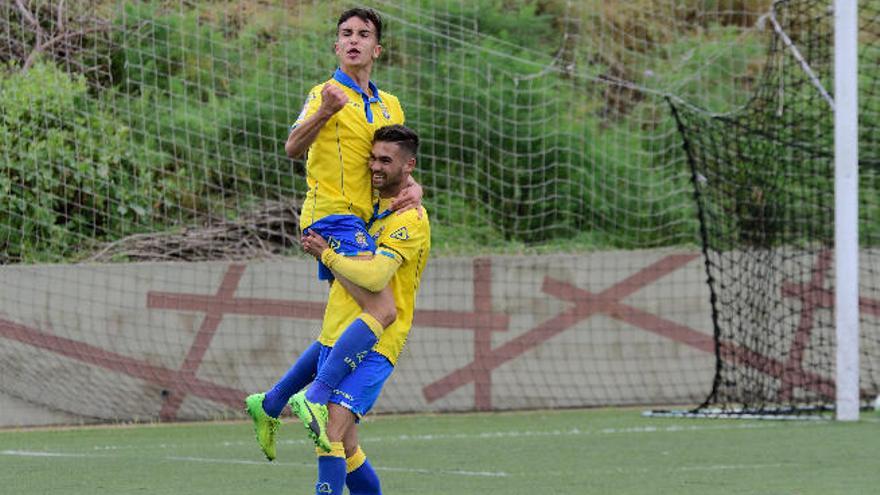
331	469
356	460
373	323
336	450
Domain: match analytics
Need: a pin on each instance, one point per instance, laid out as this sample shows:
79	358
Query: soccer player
403	244
336	127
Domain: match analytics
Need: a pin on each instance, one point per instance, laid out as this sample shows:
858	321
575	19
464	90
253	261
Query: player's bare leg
360	476
379	305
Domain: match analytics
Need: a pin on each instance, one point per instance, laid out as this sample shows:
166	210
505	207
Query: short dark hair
405	137
364	15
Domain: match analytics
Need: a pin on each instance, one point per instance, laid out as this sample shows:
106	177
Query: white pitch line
458	472
569	432
31	453
430	437
311	466
248	462
723	467
209	460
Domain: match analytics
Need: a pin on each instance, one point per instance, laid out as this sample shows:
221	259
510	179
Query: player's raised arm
332	100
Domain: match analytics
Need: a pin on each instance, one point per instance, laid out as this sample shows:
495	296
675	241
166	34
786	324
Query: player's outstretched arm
371	273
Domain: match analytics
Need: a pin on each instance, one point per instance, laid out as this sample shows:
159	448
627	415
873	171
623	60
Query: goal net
764	180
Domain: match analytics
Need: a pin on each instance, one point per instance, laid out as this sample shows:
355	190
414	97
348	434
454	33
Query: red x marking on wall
814	295
585	304
482	321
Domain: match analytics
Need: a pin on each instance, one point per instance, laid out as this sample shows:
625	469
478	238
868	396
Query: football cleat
265	426
313	417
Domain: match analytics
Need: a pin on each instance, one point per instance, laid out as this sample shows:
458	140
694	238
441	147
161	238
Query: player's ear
377	51
410	164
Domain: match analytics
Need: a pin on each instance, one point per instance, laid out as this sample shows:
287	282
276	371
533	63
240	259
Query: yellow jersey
406	238
337	168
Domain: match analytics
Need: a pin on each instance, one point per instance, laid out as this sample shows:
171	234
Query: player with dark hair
403	245
336	128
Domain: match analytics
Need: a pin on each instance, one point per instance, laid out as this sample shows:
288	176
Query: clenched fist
333	99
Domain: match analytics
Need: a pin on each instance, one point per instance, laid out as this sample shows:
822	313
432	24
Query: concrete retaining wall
189	341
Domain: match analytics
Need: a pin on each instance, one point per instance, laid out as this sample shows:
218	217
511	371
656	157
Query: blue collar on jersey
377	215
342	78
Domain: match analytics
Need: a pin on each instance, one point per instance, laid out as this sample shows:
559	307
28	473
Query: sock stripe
336	450
355	461
373	323
331	471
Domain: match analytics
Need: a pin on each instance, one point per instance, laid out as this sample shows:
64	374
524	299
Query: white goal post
846	198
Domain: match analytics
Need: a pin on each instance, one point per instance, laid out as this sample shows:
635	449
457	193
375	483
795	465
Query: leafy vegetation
69	173
540	132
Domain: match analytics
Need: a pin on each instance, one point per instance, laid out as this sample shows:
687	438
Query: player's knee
350	447
336	430
386	315
386	310
340	420
383	310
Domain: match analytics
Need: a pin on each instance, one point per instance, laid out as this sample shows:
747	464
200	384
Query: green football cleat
265	426
313	417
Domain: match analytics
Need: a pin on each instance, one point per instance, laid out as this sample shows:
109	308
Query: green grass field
601	451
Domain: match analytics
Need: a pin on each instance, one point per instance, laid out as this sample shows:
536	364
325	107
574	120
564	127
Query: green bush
69	172
220	101
529	147
498	137
517	150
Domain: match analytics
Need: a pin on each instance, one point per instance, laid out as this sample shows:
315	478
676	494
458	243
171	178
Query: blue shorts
359	390
346	234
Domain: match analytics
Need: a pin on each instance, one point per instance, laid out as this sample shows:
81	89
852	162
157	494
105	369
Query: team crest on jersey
324	488
361	239
385	112
333	243
400	234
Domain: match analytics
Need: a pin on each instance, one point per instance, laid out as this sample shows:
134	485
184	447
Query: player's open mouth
354	51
